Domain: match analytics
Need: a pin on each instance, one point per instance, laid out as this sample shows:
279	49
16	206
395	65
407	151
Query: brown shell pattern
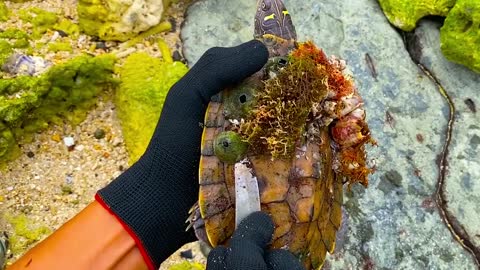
303	196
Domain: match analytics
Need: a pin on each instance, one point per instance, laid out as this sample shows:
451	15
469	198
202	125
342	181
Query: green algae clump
287	100
460	34
6	49
139	99
41	20
25	232
186	265
67	91
404	14
59	46
4	12
117	20
67	26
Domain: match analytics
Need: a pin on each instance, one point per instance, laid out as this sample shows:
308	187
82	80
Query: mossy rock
404	14
4	12
25	232
139	99
186	265
460	34
41	20
64	92
115	20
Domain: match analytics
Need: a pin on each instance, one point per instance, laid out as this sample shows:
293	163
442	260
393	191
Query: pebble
62	33
117	141
79	147
100	45
187	254
69	179
55	36
177	56
10	188
56	137
69	142
99	133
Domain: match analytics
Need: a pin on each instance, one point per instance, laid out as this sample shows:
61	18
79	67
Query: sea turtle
303	192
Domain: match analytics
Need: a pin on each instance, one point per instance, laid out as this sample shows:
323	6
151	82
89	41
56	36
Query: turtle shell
303	195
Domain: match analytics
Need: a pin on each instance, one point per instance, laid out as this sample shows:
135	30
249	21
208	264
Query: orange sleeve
93	239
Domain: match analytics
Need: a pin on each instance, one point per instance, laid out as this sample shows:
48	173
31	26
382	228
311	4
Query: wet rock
145	83
459	82
350	30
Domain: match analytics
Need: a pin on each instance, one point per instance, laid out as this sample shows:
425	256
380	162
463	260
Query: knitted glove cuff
152	218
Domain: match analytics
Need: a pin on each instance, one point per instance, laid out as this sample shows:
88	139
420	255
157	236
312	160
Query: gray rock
463	195
401	102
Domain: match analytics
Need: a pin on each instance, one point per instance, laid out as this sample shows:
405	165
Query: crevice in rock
414	48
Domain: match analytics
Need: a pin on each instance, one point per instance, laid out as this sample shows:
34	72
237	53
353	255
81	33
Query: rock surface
463	165
395	223
404	14
139	99
460	36
118	20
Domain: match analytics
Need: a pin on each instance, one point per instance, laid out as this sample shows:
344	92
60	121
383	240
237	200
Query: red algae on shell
310	93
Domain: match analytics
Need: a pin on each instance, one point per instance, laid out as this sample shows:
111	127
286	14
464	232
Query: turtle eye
242	98
229	147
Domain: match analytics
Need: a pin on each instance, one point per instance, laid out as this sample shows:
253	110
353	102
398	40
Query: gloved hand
152	198
247	249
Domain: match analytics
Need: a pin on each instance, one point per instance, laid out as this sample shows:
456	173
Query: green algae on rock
6	49
68	27
4	12
60	46
460	34
404	14
12	38
41	20
67	91
25	232
117	20
186	265
139	99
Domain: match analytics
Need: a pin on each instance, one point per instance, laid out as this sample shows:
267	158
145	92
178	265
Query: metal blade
247	195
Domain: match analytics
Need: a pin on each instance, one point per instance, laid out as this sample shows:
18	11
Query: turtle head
272	18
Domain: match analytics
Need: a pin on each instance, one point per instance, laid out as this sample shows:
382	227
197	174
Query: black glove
152	198
247	249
